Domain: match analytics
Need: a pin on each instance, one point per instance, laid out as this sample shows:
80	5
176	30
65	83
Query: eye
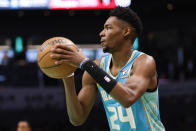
107	28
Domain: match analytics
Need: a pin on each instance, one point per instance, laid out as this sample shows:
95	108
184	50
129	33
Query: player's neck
119	59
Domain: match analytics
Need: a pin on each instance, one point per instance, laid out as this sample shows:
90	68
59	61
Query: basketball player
23	126
126	79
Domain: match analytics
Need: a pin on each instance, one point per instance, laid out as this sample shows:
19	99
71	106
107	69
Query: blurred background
27	94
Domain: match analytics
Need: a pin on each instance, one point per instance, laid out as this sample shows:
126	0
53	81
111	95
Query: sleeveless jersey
143	115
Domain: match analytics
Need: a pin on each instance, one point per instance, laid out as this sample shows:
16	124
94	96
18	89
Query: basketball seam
43	56
50	66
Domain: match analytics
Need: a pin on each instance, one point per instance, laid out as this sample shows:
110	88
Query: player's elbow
129	100
127	104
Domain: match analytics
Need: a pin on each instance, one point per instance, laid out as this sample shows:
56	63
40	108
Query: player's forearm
127	94
74	108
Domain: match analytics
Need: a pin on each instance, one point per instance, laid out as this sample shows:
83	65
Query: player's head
122	25
129	16
23	125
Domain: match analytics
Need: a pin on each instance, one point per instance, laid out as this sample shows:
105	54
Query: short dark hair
128	15
27	121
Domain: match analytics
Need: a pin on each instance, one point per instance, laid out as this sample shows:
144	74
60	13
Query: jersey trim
157	106
148	90
134	52
146	114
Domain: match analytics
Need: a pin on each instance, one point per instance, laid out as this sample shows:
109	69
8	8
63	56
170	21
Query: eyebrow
106	25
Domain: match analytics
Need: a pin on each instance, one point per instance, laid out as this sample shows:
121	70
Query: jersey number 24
118	114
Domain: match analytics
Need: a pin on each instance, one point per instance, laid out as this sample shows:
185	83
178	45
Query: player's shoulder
145	60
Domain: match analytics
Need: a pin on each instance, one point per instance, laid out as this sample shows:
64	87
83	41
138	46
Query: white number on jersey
113	118
119	114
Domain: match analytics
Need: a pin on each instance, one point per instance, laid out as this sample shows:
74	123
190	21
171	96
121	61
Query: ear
127	32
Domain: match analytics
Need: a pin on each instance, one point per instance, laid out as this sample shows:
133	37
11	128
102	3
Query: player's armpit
143	78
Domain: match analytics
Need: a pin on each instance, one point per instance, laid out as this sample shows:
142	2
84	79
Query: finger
59	56
56	56
61	62
60	51
65	47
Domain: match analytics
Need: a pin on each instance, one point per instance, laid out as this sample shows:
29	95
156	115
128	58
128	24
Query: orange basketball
47	64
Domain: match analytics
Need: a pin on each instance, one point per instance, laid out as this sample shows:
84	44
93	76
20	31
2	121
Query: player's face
112	34
23	126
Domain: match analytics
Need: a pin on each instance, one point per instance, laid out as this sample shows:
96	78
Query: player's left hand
64	54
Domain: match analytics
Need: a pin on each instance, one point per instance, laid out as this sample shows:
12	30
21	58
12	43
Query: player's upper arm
144	69
88	92
143	74
143	77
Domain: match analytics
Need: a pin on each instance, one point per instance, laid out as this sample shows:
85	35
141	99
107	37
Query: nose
101	34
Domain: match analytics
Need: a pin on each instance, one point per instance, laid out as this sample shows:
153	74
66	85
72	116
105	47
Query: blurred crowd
169	36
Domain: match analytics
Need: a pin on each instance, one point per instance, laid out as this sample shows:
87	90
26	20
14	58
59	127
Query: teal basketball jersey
143	115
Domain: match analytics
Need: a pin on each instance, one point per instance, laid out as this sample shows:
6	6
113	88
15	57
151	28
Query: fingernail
51	55
56	62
